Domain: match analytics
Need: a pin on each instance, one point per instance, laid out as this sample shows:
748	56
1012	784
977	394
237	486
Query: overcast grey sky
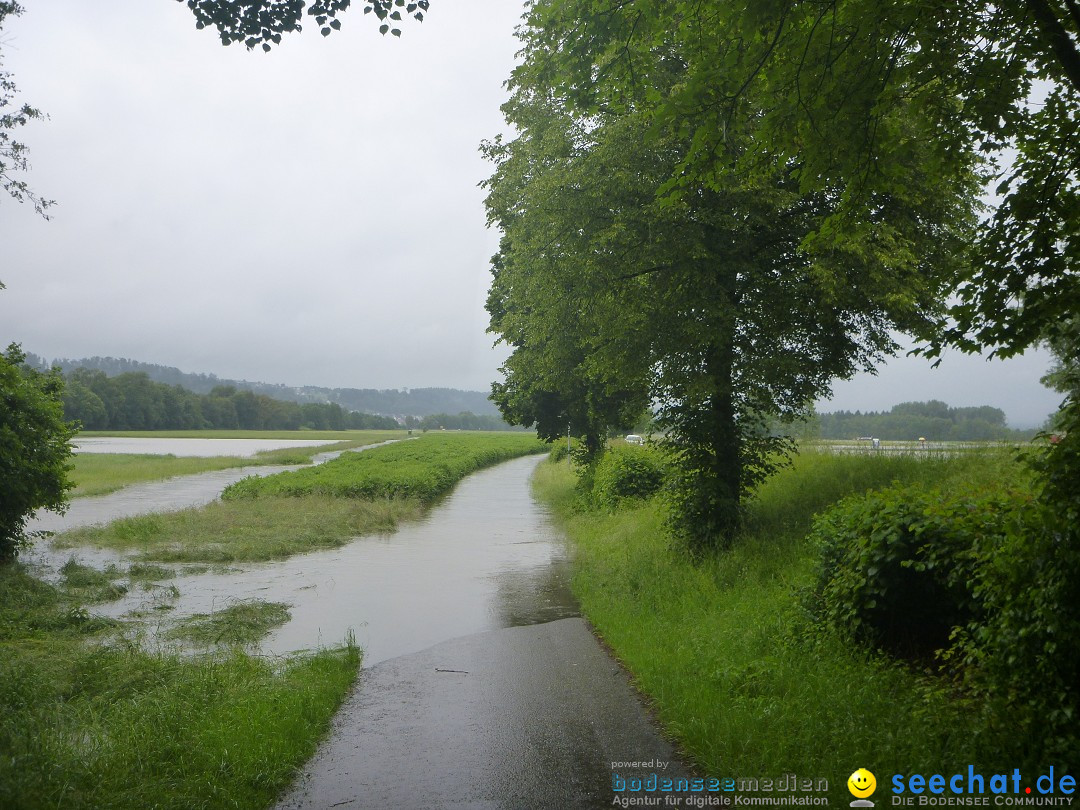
309	216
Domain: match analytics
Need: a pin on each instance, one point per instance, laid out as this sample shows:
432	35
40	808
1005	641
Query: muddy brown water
486	557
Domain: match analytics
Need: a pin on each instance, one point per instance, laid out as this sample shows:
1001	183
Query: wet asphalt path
524	717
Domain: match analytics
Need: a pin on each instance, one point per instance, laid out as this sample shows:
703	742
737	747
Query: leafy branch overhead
13	154
262	22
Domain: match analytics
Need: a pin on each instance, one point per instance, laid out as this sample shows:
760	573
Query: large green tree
705	299
872	97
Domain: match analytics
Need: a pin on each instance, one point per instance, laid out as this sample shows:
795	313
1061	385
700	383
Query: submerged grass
86	725
101	473
148	572
240	624
88	584
247	530
722	648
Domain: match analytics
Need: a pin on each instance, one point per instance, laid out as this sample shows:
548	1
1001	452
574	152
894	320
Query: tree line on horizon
132	401
933	420
417	402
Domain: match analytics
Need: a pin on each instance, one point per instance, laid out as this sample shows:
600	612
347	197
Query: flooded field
484	558
245	448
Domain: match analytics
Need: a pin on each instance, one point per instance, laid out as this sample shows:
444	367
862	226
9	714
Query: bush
34	447
981	580
627	472
559	451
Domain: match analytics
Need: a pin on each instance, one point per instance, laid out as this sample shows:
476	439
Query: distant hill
419	402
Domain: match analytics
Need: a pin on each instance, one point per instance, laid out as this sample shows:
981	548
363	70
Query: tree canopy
621	273
869	98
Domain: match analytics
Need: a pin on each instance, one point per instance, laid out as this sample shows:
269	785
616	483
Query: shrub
980	579
34	448
559	451
627	472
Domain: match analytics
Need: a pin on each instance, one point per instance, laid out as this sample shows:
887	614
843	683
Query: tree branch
1056	36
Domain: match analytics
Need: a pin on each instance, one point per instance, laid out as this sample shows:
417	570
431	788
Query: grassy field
724	650
101	473
87	721
424	469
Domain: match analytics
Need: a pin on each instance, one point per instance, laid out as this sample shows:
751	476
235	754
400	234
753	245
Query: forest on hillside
132	401
419	402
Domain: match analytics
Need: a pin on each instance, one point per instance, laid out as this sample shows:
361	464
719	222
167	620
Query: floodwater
484	558
170	495
244	448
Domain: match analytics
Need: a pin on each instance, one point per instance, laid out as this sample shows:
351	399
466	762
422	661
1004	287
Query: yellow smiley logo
861	783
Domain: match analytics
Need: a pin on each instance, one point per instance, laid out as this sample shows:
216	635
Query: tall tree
705	298
872	97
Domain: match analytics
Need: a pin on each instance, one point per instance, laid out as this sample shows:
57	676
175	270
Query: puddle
485	558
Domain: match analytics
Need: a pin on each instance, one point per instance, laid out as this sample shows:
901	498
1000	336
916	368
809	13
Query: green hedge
424	468
976	581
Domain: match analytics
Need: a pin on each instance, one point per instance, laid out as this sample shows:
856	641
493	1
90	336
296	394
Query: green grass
240	624
247	530
101	473
424	469
88	724
724	653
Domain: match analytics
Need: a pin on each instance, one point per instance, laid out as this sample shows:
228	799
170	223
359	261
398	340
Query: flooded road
482	686
515	719
484	558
